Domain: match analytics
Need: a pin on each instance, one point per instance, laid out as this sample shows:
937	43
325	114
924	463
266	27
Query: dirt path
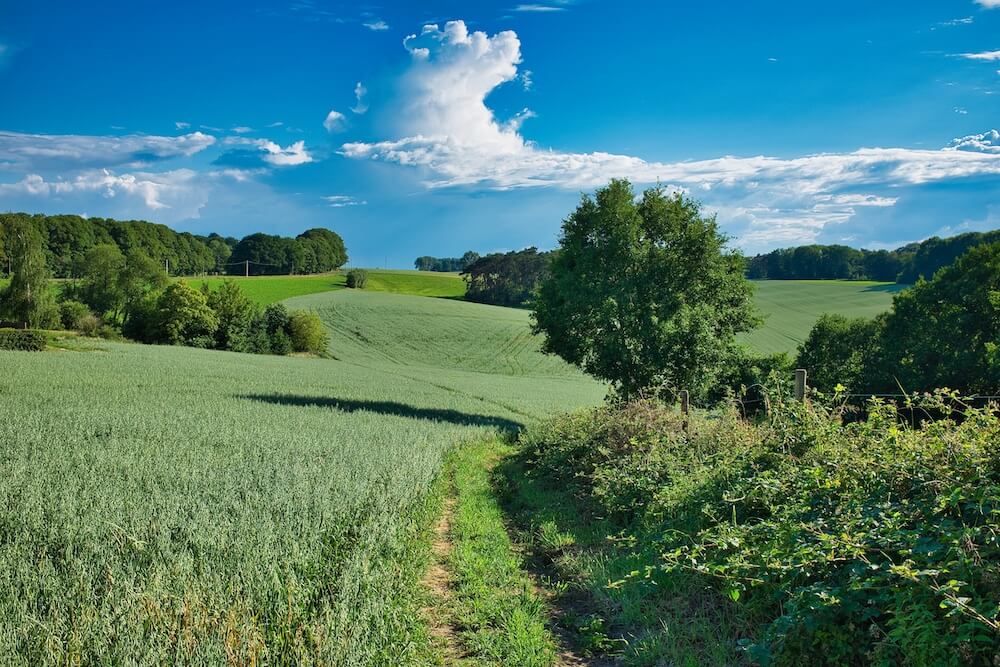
438	582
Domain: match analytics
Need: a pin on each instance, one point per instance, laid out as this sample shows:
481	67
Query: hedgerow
24	340
874	542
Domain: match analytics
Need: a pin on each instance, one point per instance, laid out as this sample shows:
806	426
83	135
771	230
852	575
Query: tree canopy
506	279
66	240
644	294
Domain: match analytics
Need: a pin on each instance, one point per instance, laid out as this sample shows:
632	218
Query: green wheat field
174	505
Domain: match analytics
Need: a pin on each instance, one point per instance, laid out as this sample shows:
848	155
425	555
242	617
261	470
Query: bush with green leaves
307	332
845	351
72	312
183	317
22	340
357	278
872	542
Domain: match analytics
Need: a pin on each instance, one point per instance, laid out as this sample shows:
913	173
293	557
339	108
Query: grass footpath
490	613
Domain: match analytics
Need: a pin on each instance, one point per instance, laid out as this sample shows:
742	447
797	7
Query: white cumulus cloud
446	129
987	142
273	153
988	4
334	121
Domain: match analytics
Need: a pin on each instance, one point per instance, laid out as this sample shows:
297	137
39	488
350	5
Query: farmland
791	307
215	506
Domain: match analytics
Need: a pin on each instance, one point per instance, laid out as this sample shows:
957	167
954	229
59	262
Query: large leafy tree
183	317
644	294
946	332
100	279
28	297
843	351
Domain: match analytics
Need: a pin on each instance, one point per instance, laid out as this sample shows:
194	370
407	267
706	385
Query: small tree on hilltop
644	294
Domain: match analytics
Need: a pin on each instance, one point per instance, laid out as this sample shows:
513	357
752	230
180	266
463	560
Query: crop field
271	289
214	507
791	307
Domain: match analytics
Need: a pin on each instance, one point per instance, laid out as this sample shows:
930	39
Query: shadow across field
892	288
388	408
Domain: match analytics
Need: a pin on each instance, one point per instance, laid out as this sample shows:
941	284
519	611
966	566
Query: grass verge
499	618
610	606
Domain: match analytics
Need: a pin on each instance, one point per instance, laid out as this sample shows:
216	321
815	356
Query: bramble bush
22	340
873	542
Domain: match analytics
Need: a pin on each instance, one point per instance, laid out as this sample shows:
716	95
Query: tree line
115	293
66	239
445	264
838	262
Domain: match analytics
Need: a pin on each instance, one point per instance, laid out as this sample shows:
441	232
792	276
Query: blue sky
459	126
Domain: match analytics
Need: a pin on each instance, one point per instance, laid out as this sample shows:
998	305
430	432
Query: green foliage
27	298
357	278
843	351
100	273
236	314
446	264
183	317
313	251
71	313
946	332
307	332
867	543
506	279
22	340
644	294
836	262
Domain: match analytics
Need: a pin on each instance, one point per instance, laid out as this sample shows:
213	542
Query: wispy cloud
360	106
377	25
242	129
34	152
539	8
988	4
965	20
982	55
342	201
181	125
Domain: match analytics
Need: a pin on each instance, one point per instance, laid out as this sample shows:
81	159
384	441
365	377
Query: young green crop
173	505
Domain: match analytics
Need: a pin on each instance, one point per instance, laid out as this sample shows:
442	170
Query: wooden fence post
800	384
685	406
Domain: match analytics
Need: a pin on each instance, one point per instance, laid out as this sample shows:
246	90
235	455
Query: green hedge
26	340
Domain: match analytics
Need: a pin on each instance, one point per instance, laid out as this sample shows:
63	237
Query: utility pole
247	268
166	265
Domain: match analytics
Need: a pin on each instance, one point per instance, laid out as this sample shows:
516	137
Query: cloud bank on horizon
449	131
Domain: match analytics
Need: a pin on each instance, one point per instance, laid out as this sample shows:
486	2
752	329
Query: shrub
22	340
72	312
281	343
357	278
844	351
307	332
89	325
236	314
865	543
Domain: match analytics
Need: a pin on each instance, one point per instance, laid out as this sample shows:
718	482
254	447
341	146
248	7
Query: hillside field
215	507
